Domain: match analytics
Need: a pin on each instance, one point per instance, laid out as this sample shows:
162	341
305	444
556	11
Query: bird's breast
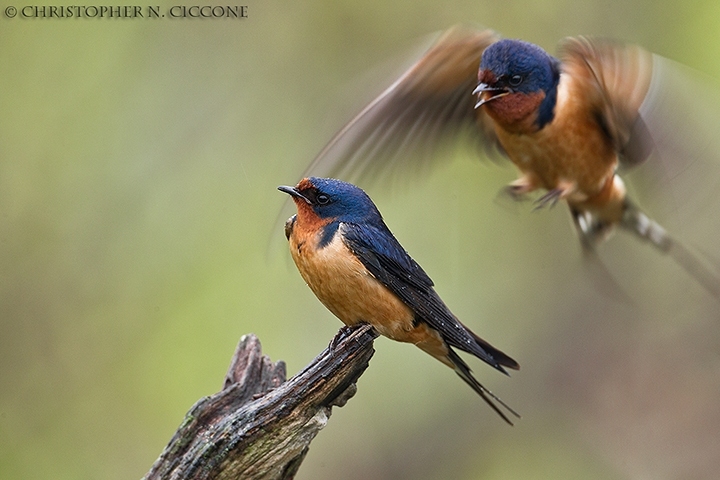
570	150
343	284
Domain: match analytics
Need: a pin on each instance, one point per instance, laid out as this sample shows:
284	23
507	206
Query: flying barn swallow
566	123
360	272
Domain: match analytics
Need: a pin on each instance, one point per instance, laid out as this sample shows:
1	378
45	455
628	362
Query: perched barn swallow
566	123
360	272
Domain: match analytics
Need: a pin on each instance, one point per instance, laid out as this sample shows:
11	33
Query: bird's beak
482	87
494	93
293	192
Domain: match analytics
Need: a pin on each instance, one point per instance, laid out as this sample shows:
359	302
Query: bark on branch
260	426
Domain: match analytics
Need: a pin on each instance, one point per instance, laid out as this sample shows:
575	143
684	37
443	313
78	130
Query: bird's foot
550	199
514	192
344	332
518	189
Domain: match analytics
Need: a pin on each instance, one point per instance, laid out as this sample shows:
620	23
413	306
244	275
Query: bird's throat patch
309	224
307	219
517	112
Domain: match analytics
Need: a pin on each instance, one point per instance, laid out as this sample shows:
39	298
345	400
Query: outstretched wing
430	106
391	265
615	78
664	115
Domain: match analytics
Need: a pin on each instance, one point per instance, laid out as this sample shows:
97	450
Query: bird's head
323	200
518	84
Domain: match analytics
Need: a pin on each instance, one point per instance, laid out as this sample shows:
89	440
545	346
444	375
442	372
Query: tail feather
692	263
495	402
500	357
593	230
635	221
602	279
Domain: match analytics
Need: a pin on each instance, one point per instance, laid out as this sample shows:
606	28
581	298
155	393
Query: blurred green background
138	165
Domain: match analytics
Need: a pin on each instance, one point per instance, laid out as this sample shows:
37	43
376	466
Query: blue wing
390	264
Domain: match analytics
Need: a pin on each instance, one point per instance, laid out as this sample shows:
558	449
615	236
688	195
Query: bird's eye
515	80
322	199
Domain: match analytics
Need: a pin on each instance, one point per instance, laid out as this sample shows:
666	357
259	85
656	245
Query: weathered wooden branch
260	426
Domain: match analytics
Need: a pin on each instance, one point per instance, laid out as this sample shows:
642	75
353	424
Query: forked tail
635	221
495	402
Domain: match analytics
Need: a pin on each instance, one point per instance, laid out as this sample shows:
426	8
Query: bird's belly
343	284
564	155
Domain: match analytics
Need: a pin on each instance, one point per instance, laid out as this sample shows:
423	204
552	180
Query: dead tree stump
260	426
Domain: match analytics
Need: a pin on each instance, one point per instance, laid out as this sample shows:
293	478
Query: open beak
492	93
293	192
